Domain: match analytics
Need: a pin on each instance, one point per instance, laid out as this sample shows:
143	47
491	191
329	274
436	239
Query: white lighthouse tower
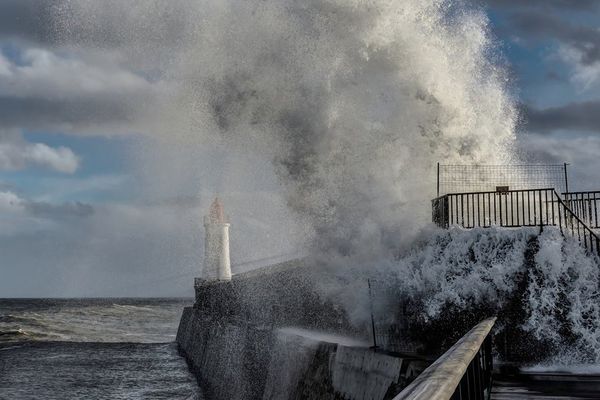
217	265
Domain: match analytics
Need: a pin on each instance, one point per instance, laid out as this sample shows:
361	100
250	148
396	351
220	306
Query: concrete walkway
559	386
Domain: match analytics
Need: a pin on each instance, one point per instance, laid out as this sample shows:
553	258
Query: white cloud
60	159
580	151
15	155
10	202
41	73
583	75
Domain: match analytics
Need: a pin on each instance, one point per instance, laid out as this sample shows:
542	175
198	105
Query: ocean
93	349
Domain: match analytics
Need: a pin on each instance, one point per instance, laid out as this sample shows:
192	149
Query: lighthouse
217	265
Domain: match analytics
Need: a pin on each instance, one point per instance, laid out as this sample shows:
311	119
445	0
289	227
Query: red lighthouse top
216	215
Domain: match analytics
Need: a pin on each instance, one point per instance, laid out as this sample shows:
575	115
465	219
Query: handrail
594	239
495	191
450	374
586	205
582	192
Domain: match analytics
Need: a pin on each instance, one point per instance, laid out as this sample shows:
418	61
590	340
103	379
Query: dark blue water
92	349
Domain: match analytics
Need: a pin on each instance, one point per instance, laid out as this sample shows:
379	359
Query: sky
84	211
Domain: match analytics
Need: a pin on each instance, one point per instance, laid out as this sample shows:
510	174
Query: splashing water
545	286
352	101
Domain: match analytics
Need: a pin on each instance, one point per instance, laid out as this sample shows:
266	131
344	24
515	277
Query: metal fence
585	205
481	178
514	208
464	372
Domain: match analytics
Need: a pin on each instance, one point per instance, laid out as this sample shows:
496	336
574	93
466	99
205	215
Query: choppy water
92	349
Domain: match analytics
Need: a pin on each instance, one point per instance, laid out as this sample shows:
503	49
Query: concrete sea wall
242	340
241	361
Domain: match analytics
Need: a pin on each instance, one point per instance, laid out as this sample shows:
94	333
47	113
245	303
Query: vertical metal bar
595	212
495	213
472	382
506	208
483	205
552	205
489	209
500	207
438	179
528	208
559	213
476	376
512	209
540	199
372	317
589	209
468	210
449	210
566	178
462	210
479	209
534	209
474	195
456	201
489	363
523	207
546	204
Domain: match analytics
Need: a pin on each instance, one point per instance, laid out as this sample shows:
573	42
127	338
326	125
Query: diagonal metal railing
464	372
586	205
516	208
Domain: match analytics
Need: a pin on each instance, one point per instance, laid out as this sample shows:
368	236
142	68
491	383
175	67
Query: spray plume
353	102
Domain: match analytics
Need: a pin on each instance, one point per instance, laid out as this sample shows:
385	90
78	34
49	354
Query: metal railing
514	208
463	372
586	205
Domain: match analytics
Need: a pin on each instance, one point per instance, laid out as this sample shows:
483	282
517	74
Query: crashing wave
544	289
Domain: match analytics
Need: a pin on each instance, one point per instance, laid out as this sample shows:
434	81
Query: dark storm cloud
543	26
559	4
39	113
60	22
583	116
27	19
560	20
59	211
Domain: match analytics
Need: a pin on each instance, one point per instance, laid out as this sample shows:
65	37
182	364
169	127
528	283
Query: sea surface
92	349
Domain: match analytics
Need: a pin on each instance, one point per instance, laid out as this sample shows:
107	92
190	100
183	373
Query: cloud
71	91
584	74
16	154
45	74
10	202
60	159
129	249
581	152
64	210
576	116
566	23
27	19
15	217
558	4
584	38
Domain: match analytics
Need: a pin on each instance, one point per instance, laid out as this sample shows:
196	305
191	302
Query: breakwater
261	336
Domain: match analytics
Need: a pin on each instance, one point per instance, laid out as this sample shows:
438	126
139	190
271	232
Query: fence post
541	214
372	317
438	179
566	178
